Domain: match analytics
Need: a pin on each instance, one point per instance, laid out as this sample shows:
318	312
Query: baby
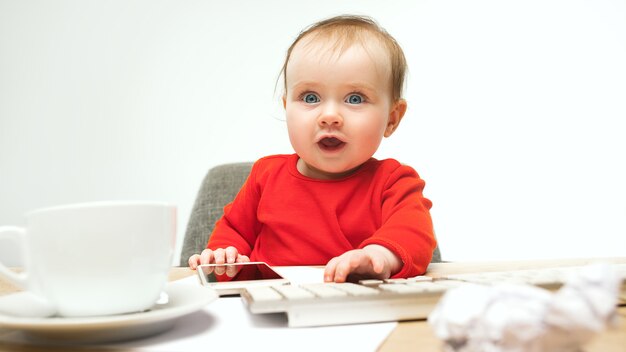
331	203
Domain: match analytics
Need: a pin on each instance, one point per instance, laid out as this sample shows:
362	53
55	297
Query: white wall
513	121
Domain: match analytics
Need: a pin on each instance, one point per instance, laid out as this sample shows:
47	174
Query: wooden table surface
407	336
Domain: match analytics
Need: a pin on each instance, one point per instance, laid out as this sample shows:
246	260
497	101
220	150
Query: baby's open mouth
331	143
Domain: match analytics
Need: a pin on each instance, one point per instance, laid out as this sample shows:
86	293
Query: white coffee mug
96	259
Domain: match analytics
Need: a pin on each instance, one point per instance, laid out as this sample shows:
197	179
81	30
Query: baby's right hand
218	256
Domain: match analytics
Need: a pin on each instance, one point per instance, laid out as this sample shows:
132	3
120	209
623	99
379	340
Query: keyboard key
357	290
325	290
428	287
264	294
420	279
401	288
371	282
294	292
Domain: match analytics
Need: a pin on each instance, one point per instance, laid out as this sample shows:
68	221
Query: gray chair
219	187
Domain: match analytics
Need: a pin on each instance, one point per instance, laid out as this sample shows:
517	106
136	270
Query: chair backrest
219	187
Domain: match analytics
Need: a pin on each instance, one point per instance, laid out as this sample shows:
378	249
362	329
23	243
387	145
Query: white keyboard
385	300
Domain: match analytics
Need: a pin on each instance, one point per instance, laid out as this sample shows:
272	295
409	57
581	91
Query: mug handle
18	279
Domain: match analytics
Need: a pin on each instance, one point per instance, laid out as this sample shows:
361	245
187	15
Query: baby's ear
284	101
395	116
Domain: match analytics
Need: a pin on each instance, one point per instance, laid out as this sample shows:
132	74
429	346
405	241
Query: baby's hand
218	256
371	262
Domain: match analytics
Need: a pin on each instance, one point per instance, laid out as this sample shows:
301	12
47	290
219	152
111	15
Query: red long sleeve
283	218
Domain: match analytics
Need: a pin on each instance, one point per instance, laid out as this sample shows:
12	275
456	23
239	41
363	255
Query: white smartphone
232	279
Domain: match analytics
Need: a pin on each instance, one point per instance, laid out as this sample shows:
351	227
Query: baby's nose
330	116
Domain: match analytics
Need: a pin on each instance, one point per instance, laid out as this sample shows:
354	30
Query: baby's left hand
371	262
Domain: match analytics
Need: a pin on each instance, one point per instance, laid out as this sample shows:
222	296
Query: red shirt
284	218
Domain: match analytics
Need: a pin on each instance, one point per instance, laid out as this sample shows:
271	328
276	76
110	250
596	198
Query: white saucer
184	298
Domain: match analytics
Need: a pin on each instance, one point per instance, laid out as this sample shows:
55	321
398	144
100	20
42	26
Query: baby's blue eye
311	98
355	99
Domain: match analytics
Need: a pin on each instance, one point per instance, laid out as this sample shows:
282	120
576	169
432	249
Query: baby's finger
220	256
220	270
345	267
341	271
242	258
329	271
231	254
232	270
206	257
193	261
378	263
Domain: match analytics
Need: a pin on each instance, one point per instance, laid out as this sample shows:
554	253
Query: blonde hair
347	30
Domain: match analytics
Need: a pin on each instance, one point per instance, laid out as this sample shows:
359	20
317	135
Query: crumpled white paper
524	318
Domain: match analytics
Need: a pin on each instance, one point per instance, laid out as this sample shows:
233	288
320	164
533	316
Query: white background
515	120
